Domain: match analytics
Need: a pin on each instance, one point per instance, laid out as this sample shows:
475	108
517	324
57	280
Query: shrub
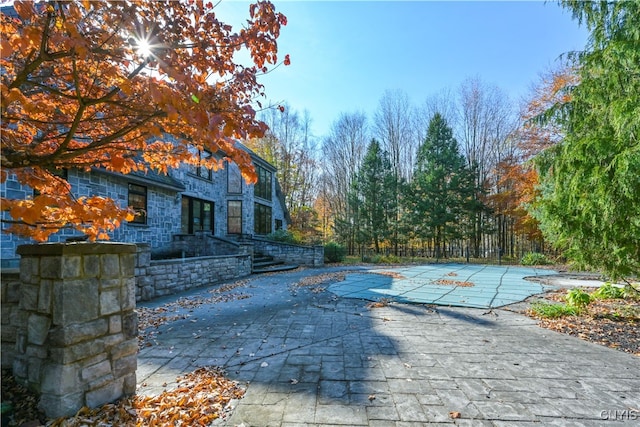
534	258
578	298
544	309
334	252
284	236
608	291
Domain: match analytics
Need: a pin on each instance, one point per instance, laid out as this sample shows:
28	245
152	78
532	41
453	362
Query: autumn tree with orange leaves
519	178
99	84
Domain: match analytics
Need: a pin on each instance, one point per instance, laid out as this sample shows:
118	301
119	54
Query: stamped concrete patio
309	357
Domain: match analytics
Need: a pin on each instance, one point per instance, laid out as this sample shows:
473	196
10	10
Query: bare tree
487	120
343	151
395	128
290	147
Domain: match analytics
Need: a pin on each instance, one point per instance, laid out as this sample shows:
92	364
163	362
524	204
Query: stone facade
76	326
167	277
312	256
164	203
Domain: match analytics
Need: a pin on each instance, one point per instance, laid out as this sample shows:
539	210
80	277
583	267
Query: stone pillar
11	319
78	346
144	283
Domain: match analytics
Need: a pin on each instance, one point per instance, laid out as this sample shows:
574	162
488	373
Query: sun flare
143	47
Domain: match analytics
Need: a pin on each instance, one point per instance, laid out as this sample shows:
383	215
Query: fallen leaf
454	414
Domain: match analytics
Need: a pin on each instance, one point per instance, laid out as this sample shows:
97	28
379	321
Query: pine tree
590	204
377	200
440	196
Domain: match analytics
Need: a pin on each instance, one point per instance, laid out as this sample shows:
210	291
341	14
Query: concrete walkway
310	358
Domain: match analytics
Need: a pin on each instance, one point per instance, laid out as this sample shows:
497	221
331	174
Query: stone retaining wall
166	277
312	256
76	326
10	315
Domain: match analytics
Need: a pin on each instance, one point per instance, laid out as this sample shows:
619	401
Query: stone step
274	268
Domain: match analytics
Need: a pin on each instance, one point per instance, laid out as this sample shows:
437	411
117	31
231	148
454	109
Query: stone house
175	208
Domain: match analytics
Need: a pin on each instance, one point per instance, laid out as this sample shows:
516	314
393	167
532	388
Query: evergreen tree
438	199
590	204
377	200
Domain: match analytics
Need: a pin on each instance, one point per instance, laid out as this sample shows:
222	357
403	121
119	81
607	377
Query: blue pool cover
462	285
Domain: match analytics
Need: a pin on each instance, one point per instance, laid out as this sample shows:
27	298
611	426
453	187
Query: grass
552	311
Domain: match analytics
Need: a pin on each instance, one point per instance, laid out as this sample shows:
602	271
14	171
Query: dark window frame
263	187
141	213
262	219
234	229
200	171
191	202
233	169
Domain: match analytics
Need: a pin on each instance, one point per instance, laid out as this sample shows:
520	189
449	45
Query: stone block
29	270
129	384
95	371
91	266
74	353
125	348
128	294
110	283
29	297
109	301
44	296
38	329
20	367
8	334
115	324
110	341
109	266
55	406
51	267
60	380
75	301
125	365
105	394
13	291
127	265
78	332
34	364
39	351
130	325
71	267
21	341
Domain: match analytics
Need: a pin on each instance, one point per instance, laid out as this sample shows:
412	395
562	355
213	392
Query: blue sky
344	55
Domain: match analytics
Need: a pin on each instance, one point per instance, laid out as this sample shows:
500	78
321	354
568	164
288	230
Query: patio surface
308	357
459	285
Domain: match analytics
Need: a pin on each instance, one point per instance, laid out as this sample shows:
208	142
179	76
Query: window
201	171
263	186
278	224
234	179
138	202
262	219
197	215
234	217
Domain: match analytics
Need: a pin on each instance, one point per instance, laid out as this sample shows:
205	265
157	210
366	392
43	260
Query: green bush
334	252
578	298
544	309
608	291
284	236
534	258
